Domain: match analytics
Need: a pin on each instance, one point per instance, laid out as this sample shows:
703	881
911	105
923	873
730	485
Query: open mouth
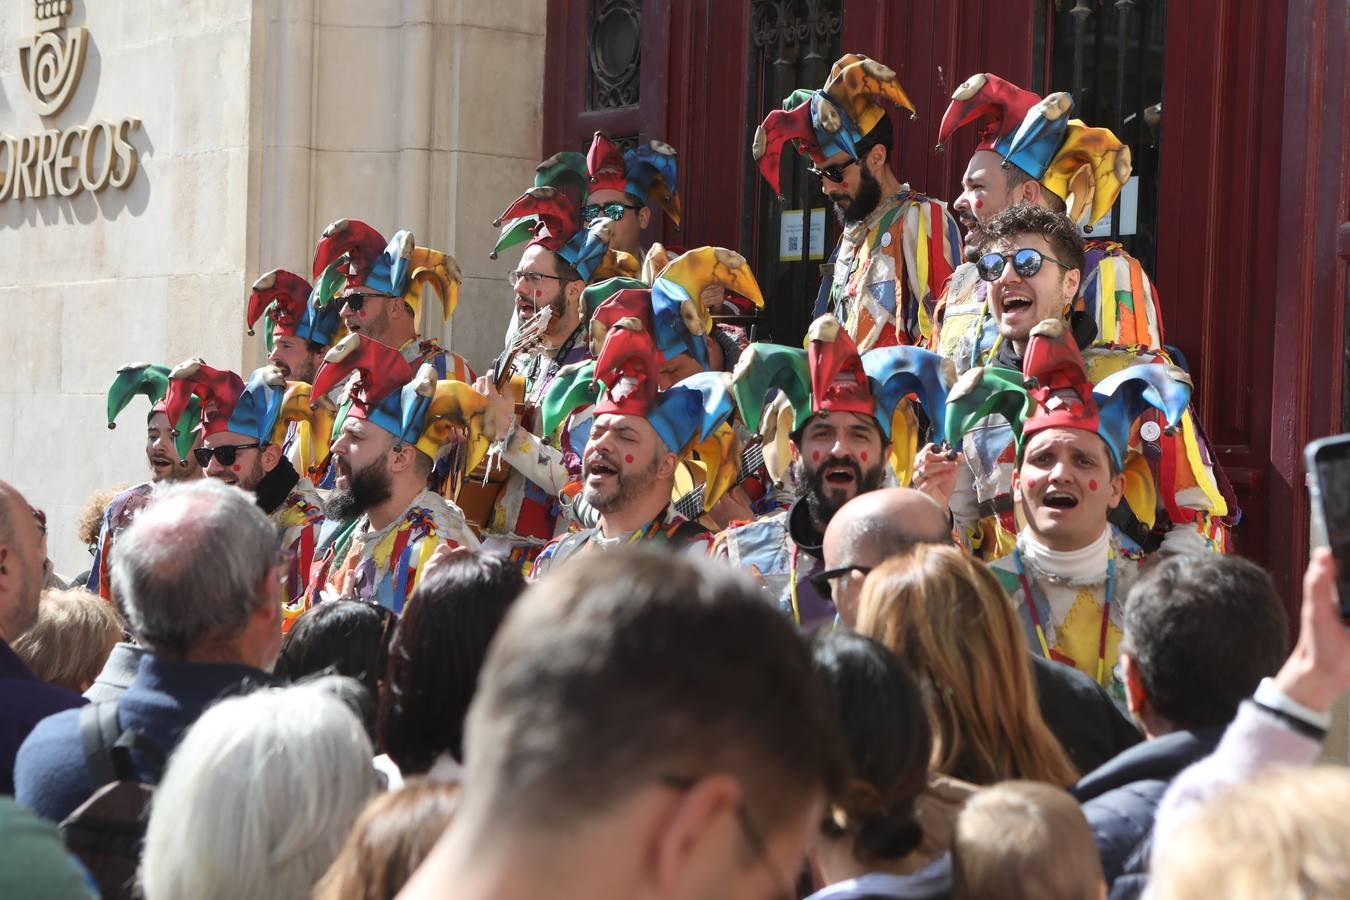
161	462
1059	500
599	468
1014	304
839	476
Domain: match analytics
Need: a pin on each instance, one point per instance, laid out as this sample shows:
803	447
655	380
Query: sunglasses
357	302
592	211
1025	262
41	518
226	454
832	173
823	582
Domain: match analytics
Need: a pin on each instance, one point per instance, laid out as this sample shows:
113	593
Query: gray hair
258	797
190	565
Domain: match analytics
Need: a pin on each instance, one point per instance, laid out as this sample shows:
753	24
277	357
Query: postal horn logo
51	60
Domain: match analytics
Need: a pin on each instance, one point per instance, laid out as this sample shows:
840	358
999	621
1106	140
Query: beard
823	501
368	487
862	204
628	486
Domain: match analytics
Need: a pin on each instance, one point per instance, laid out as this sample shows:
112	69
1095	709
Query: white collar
1084	566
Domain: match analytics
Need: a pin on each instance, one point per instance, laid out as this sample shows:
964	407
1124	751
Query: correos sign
56	161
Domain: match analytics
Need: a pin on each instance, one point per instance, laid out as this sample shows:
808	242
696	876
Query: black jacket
1120	800
1082	715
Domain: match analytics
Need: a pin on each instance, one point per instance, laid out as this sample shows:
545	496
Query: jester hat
999	106
358	254
1085	167
285	299
624	298
830	376
831	120
416	408
565	171
682	320
622	380
228	403
1055	392
152	381
556	226
647	172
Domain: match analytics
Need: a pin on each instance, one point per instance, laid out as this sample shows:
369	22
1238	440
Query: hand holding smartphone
1328	466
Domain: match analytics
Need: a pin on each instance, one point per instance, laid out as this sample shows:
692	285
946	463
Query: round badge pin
1150	431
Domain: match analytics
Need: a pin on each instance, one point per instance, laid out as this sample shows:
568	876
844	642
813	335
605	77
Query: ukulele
477	492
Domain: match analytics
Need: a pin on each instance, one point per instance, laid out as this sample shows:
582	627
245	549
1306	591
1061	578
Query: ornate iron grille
615	54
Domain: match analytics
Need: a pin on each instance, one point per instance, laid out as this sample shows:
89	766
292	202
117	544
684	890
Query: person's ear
572	293
693	837
644	216
271	456
1028	191
876	159
1117	490
1072	278
405	455
1136	698
666	469
1016	486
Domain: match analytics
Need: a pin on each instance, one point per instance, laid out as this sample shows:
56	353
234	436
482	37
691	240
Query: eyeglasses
615	210
832	173
1026	262
225	454
823	582
754	838
357	302
515	277
41	518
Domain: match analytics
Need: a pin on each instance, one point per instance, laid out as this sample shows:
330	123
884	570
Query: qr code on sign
794	243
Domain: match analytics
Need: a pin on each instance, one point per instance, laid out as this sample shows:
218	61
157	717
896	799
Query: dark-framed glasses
832	173
226	454
823	582
1025	262
41	518
612	210
515	277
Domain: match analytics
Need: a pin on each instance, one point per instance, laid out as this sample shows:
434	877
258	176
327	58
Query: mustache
830	462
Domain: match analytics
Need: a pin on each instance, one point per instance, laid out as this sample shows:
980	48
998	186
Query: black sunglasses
823	582
1026	262
832	173
615	210
357	302
225	454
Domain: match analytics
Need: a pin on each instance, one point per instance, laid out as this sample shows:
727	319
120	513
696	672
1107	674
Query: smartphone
1328	465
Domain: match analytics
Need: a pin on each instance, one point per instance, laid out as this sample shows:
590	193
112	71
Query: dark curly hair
888	739
1027	218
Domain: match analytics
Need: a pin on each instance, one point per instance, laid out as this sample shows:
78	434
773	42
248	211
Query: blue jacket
1120	800
50	775
24	702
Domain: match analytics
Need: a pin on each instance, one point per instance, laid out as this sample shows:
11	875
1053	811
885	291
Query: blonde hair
947	617
1025	839
1280	836
71	640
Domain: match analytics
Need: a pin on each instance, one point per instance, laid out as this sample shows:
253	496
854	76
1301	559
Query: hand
443	554
713	296
501	411
733	506
1318	671
935	473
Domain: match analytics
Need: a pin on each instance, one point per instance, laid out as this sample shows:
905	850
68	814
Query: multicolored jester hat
832	120
293	309
1085	167
1053	391
777	389
691	417
352	256
260	409
152	381
416	408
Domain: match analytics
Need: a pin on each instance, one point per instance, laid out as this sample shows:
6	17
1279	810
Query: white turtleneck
1058	575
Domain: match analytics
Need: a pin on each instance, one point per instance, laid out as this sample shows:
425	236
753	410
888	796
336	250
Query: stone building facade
159	155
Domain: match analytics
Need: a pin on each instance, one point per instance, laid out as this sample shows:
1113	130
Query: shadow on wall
115	146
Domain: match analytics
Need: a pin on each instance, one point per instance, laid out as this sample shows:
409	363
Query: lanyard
1106	608
792	585
979	331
